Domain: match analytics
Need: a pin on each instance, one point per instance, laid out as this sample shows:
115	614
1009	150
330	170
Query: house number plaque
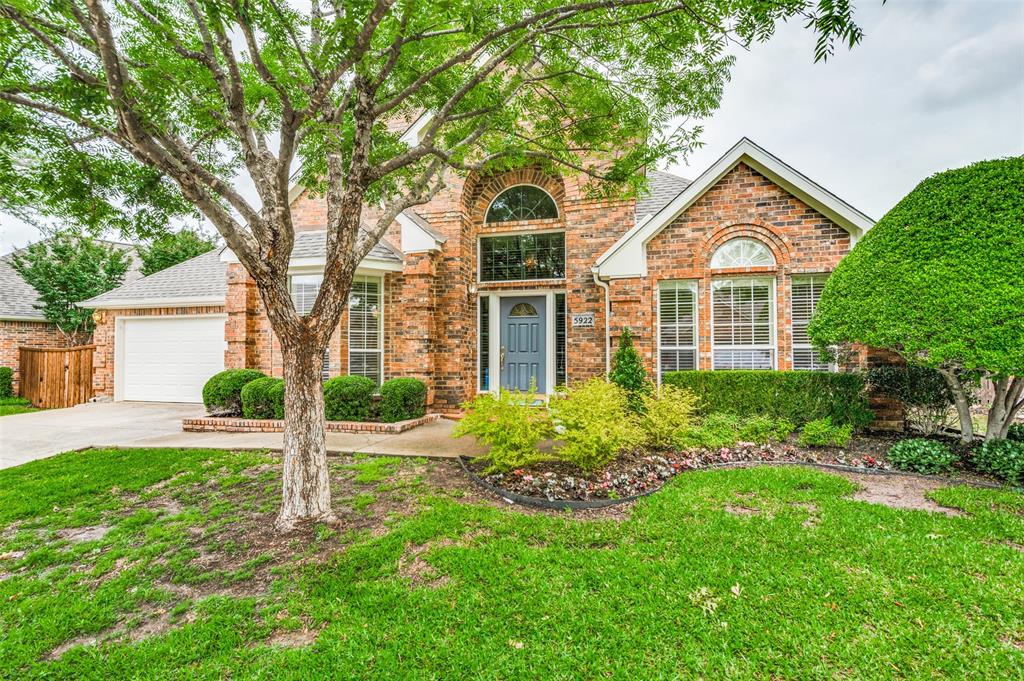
583	319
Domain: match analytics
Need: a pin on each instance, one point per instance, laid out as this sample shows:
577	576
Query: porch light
98	316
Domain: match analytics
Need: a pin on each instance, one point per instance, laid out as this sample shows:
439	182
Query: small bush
628	372
798	396
596	424
349	398
666	416
401	399
921	456
713	432
222	394
1016	432
6	382
1003	459
764	429
15	402
263	398
922	390
510	425
823	433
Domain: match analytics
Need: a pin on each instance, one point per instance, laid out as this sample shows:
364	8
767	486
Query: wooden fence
56	377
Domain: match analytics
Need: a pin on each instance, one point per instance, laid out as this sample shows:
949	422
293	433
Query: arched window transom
523	310
522	202
742	253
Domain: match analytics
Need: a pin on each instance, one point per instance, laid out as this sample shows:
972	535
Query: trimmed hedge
401	399
263	398
222	394
6	382
797	396
349	398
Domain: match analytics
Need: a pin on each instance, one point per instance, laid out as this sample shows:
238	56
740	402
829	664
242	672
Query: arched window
742	253
523	310
522	202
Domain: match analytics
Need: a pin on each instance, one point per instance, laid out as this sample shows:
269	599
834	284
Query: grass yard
15	405
161	563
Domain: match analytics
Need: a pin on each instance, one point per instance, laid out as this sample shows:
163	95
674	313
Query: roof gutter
148	303
607	320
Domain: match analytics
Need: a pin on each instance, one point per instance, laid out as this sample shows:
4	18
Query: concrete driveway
37	435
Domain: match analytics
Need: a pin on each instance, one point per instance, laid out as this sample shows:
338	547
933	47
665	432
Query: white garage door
170	359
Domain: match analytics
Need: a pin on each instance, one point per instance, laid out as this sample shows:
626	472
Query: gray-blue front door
523	355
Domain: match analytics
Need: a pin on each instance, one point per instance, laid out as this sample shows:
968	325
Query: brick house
512	278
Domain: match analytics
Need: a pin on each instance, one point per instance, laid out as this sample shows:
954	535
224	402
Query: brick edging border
217	424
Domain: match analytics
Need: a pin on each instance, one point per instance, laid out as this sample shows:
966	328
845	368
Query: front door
523	355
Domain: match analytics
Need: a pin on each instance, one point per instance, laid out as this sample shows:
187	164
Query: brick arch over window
779	245
479	191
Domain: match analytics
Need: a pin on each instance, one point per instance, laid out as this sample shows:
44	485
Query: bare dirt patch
81	534
899	491
737	509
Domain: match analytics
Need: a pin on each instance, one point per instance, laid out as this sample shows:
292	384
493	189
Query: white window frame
325	364
816	364
379	351
519	232
692	285
716	263
771	345
558	209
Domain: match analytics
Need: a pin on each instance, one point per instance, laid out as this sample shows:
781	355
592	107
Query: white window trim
519	232
735	241
692	284
772	344
558	209
380	330
818	276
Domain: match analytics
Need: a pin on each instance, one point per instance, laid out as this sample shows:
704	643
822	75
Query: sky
935	84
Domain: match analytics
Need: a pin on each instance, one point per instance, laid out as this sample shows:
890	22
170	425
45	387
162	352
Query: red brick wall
14	334
103	338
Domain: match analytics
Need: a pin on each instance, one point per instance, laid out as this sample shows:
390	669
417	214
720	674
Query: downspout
607	320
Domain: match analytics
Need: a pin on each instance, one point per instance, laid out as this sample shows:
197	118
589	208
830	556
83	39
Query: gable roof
628	256
662	187
18	299
201	280
313	244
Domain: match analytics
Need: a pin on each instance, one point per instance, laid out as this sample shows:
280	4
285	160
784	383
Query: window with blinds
365	328
305	288
677	326
805	294
741	324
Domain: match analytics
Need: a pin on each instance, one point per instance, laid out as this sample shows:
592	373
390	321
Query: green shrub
1016	432
765	429
1003	459
595	424
666	415
6	382
222	394
713	432
628	372
798	396
263	398
921	456
349	398
823	433
510	425
401	399
15	402
922	390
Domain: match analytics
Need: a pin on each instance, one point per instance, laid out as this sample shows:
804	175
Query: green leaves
172	248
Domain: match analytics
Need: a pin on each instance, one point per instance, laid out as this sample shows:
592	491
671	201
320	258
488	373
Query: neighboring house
22	323
513	277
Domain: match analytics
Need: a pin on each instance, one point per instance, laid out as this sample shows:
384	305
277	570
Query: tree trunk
963	404
1005	405
306	486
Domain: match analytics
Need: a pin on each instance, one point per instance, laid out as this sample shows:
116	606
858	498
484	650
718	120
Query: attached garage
167	359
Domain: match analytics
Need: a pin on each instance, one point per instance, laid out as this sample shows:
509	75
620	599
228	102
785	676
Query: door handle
501	358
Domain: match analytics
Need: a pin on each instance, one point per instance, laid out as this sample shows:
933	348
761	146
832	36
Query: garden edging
217	424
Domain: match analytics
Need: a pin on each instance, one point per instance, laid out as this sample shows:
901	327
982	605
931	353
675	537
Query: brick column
240	304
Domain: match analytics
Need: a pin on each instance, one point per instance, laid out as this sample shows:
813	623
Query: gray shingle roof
314	245
424	225
662	188
203	277
18	299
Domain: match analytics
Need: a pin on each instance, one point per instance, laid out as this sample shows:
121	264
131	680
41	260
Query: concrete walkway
37	435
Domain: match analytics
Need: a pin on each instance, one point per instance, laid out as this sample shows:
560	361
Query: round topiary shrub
263	398
222	394
401	399
349	398
1002	458
921	456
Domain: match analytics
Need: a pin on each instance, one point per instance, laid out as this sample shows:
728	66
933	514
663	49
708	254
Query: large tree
191	94
940	280
170	248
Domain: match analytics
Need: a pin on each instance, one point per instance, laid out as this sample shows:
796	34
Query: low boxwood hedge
349	398
263	398
798	396
401	399
222	394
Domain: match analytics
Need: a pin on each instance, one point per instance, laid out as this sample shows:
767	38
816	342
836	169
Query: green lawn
761	573
15	405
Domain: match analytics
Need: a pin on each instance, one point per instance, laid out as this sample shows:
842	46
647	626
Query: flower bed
216	424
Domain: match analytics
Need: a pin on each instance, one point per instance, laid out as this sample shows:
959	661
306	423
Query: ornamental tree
190	95
170	248
940	281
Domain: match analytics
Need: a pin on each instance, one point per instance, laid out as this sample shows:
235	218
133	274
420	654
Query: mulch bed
641	471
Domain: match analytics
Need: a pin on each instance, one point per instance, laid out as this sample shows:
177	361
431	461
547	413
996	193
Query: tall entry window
520	257
805	294
365	328
677	326
741	324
